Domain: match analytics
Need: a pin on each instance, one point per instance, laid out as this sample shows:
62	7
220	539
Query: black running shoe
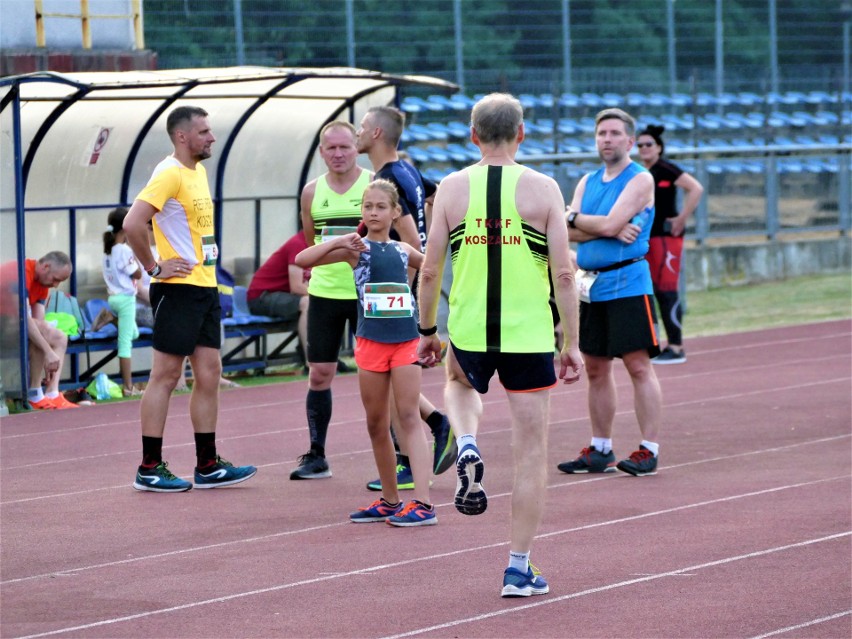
311	466
445	448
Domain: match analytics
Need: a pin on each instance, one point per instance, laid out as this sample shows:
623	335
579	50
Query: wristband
572	216
155	270
148	269
426	332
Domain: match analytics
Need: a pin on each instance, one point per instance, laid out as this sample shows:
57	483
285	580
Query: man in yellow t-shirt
185	301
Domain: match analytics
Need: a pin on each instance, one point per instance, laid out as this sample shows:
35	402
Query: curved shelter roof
86	140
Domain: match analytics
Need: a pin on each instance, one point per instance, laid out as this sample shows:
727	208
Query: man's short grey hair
497	118
57	259
617	114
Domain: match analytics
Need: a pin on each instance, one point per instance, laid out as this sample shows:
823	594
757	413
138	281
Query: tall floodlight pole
238	32
457	21
670	29
773	46
566	45
720	51
350	33
846	55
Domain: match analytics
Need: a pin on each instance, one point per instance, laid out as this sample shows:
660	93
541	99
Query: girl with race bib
385	350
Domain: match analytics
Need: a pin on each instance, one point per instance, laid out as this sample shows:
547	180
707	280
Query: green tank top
500	291
329	208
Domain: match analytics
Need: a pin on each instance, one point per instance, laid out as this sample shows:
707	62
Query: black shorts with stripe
616	327
518	372
185	316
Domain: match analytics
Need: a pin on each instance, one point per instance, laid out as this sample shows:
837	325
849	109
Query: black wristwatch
426	332
155	271
572	216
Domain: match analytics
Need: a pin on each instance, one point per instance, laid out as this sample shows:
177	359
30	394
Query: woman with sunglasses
666	244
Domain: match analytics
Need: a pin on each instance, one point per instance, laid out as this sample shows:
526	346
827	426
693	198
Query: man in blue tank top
610	219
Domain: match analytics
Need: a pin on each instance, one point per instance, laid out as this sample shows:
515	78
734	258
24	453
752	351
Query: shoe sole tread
470	495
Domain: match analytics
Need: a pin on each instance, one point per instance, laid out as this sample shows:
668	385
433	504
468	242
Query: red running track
744	532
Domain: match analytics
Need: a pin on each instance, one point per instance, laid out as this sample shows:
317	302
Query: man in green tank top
331	201
504	225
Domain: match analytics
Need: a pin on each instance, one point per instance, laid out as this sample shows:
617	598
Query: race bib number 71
389	299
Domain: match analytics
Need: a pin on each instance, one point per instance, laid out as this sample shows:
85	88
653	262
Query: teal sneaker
159	479
223	473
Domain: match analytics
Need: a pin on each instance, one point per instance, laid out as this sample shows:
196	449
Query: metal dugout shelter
73	146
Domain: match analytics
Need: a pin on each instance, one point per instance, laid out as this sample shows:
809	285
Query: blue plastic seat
437	153
418	155
570	100
91	309
241	312
568	126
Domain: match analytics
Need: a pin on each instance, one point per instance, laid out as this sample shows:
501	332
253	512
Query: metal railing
85	17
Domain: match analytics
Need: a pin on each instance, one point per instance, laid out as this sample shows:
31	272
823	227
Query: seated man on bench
47	344
280	287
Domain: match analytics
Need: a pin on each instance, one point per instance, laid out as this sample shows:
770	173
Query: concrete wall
709	267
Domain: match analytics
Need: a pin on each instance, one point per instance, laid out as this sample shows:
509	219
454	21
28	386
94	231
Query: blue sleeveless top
628	281
384	262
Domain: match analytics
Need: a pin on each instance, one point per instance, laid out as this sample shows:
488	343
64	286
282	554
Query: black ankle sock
205	449
318	408
403	460
152	451
434	421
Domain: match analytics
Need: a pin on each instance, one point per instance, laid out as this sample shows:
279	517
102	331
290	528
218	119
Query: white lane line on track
620	584
457	622
805	624
359	419
562	388
271	536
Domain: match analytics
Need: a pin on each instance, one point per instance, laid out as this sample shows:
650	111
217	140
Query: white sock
35	394
602	444
519	560
52	395
654	447
464	440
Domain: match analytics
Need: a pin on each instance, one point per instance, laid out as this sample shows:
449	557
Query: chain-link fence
537	46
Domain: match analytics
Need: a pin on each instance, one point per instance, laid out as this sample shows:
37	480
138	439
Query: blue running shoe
159	479
519	584
445	448
223	473
404	480
379	510
415	513
470	495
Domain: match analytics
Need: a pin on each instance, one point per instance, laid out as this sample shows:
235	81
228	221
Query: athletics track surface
744	532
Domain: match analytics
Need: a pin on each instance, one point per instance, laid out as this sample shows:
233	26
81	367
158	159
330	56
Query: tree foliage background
614	45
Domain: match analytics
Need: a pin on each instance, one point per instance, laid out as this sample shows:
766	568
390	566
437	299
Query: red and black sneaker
640	463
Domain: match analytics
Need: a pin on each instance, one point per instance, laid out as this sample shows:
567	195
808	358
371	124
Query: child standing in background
121	270
385	350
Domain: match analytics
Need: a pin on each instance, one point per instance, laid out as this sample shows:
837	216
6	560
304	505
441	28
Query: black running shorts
616	327
326	324
185	316
518	372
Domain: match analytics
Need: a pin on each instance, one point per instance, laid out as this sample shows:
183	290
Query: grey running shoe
640	463
590	460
